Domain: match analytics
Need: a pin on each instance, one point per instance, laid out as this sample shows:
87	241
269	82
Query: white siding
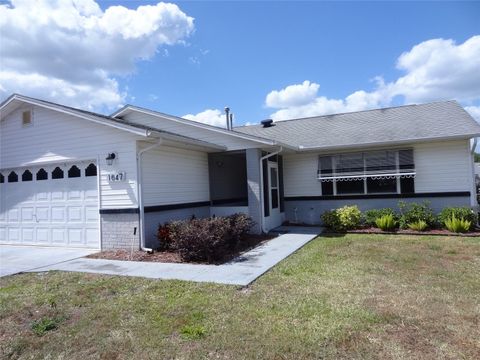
443	167
212	136
57	137
174	176
300	175
440	166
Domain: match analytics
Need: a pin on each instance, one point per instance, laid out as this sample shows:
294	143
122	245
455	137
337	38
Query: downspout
140	194
474	201
262	205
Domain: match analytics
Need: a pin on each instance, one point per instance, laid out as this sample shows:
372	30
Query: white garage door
55	205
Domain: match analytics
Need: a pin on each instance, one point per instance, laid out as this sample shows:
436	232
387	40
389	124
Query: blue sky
236	53
241	51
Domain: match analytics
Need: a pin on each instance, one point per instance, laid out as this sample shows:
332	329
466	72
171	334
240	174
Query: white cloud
210	116
293	95
474	111
70	51
436	69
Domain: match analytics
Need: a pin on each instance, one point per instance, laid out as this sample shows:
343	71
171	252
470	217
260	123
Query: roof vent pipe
231	121
227	117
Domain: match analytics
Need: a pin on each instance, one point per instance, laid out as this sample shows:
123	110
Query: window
274	186
42	175
374	172
26	118
27	176
57	173
2	179
12	177
91	170
74	172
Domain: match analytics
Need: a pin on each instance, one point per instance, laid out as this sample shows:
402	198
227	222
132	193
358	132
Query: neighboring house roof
395	125
12	103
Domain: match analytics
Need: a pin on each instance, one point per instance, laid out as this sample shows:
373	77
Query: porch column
254	188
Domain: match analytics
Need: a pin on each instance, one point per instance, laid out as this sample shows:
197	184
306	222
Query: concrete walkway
240	271
15	259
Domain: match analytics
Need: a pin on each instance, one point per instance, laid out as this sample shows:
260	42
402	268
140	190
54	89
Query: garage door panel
42	196
75	236
58	236
28	235
57	195
58	214
42	214
13	235
27	214
42	235
74	214
13	215
52	212
91	214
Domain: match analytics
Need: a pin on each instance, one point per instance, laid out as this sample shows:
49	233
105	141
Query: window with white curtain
372	172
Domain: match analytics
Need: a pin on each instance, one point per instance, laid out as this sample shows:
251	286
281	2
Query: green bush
342	219
419	225
413	212
386	222
457	225
370	216
331	220
463	213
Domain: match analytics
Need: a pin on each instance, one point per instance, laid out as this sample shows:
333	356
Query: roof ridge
354	112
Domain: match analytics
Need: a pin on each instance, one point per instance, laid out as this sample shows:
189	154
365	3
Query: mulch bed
172	257
439	232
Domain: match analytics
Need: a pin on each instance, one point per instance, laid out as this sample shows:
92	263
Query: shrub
370	216
209	239
463	213
457	225
386	222
240	226
331	220
413	212
166	234
344	218
419	225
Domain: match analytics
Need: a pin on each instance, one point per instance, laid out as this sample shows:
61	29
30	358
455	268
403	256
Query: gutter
140	194
262	225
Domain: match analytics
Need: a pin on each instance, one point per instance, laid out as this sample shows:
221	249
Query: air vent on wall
26	117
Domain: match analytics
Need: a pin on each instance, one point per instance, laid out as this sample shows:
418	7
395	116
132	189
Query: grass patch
42	326
354	296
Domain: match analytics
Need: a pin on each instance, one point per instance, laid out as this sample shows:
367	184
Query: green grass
353	296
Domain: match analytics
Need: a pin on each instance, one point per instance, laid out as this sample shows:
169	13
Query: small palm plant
419	225
457	225
386	222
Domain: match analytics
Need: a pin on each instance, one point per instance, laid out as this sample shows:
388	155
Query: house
73	178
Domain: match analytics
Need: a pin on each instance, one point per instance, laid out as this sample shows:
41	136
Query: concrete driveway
16	259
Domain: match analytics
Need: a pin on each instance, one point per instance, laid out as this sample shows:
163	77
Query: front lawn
352	296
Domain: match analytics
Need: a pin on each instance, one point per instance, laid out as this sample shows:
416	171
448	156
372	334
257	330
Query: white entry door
274	219
55	205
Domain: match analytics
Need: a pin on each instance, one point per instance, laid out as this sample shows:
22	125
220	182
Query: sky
268	59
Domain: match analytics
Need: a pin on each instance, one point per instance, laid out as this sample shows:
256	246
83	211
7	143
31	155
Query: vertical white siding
213	136
57	137
441	167
300	175
174	176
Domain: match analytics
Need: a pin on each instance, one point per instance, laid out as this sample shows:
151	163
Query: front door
275	219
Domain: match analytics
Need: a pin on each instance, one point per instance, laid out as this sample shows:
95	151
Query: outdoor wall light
110	157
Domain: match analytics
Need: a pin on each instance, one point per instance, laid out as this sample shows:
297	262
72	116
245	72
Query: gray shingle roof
446	119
